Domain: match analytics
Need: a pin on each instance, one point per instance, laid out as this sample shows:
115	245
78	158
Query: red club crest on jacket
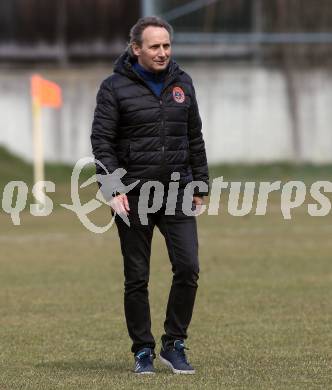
178	95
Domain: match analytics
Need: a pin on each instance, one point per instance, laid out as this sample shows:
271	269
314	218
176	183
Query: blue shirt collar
150	76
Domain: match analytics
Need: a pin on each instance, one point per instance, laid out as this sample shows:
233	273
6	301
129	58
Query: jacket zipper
159	98
163	137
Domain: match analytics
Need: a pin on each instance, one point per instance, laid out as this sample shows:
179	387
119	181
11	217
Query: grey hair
136	31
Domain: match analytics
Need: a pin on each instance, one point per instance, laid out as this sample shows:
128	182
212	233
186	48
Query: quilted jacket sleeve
104	132
198	159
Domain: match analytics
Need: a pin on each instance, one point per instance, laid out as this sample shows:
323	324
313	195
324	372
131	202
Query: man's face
155	52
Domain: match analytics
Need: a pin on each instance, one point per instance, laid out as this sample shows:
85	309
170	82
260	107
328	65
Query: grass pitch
262	318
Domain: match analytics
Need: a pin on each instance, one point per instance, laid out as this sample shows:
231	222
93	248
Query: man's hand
198	201
120	204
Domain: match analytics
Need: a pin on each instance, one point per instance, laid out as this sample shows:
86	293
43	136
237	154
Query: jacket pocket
187	153
129	154
124	154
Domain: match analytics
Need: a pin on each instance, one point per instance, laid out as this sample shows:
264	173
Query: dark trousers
180	233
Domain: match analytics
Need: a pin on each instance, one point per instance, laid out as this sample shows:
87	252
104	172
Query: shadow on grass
85	365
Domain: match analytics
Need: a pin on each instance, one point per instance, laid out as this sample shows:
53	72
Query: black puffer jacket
149	136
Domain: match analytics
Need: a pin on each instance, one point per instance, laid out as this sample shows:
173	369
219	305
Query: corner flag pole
38	149
44	93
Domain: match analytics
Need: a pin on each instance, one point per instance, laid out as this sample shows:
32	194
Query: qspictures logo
242	196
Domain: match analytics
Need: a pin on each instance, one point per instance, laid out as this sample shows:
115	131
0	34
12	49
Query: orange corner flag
45	93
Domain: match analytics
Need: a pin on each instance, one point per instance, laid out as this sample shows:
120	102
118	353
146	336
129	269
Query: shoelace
145	358
182	354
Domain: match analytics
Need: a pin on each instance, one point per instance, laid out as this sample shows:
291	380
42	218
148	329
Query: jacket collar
124	66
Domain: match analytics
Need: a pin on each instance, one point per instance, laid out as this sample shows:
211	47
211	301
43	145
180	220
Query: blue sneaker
175	358
144	361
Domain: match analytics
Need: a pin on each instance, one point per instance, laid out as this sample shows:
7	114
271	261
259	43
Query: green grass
15	168
262	319
271	172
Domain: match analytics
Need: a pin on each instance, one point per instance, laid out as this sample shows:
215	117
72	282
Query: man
147	121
